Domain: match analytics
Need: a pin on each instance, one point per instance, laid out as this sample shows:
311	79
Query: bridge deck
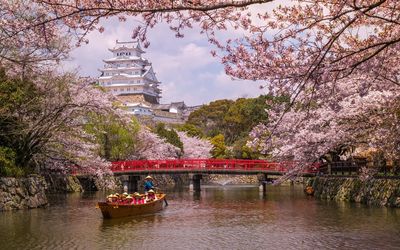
210	166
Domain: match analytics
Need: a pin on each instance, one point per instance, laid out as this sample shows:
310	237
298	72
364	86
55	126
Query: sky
184	66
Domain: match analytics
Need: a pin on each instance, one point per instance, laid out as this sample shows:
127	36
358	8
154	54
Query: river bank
31	192
376	192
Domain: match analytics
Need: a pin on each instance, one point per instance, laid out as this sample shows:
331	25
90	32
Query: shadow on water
127	222
196	195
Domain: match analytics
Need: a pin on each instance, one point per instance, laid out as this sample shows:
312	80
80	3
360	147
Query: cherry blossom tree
23	49
195	147
347	117
302	48
84	16
151	146
64	115
46	128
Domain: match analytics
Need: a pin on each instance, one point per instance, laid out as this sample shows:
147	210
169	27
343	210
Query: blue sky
184	66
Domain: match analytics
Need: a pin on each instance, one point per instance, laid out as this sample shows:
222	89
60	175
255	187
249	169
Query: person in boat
112	198
108	199
148	183
128	200
151	195
137	198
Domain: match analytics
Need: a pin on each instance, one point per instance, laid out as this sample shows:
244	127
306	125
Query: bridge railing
210	164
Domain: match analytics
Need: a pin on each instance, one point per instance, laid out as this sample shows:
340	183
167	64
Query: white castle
131	78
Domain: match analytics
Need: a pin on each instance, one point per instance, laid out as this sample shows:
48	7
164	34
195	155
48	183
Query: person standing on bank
148	183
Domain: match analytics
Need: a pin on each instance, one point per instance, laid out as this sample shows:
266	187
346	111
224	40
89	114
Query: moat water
220	217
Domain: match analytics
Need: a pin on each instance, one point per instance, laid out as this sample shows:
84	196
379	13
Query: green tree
210	118
169	135
7	163
219	149
116	141
191	130
241	151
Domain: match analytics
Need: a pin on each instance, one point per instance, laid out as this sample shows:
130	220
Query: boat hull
110	210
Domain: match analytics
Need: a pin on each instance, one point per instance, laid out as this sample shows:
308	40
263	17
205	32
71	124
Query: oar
166	202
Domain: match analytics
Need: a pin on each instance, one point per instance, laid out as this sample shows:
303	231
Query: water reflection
217	217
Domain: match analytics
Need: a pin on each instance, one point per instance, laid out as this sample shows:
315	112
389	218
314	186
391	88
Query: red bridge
130	171
210	166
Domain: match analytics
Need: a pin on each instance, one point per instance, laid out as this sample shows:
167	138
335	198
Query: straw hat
151	191
116	194
129	197
112	196
126	194
148	177
136	194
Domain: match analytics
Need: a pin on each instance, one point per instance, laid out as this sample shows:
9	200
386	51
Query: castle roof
126	46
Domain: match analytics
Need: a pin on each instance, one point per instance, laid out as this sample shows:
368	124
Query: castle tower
131	78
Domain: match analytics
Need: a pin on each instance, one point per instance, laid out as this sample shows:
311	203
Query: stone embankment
22	193
30	192
380	192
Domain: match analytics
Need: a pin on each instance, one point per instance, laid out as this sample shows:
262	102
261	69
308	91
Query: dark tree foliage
18	99
210	118
233	120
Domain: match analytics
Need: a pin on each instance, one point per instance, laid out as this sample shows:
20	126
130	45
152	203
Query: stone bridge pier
264	180
196	181
130	183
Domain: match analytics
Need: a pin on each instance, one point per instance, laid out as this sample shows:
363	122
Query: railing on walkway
353	168
221	165
342	167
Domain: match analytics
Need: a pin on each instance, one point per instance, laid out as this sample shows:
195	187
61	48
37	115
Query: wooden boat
115	210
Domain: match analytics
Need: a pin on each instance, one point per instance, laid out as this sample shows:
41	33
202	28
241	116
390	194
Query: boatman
148	183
